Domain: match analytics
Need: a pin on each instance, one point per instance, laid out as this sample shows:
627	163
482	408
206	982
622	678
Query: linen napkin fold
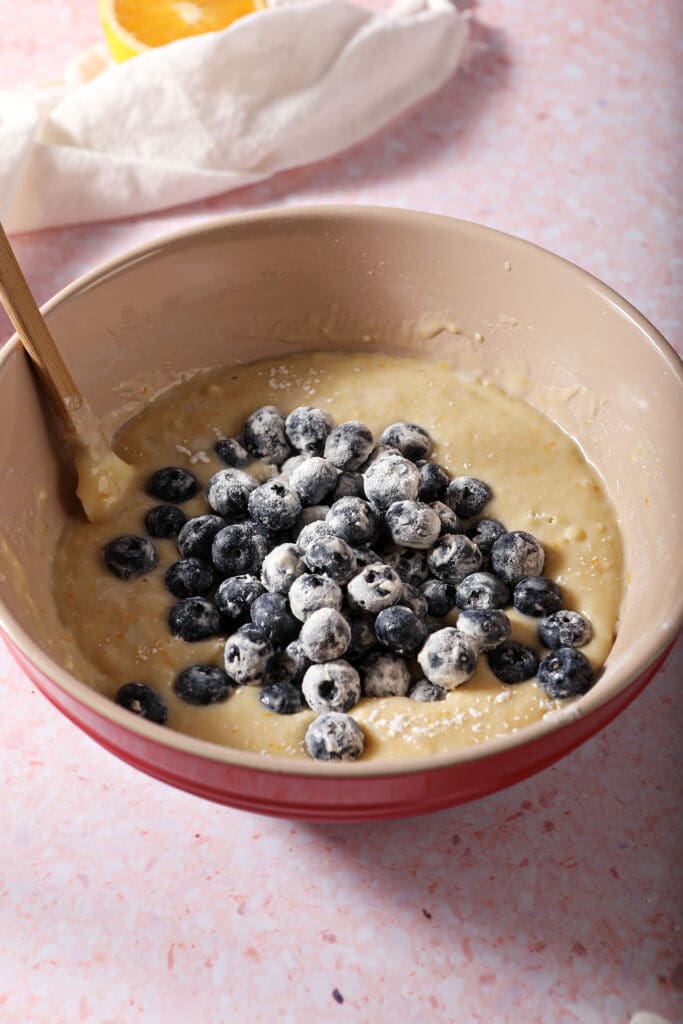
280	88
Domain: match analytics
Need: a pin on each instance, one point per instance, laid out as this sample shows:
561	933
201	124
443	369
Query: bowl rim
239	759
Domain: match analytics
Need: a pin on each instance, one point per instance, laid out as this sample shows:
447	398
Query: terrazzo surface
557	900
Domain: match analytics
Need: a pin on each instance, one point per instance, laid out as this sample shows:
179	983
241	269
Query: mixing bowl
260	285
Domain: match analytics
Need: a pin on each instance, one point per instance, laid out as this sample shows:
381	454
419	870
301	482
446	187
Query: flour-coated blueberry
281	698
376	587
325	635
409	563
425	692
227	492
482	590
312	591
412	441
488	627
231	452
291	664
274	505
391	478
440	597
415	600
331	686
348	445
313	480
281	567
413	524
363	638
467	496
196	537
453	557
334	737
348	485
433	481
564	629
307	428
447	517
515	555
310	532
353	520
332	557
193	619
448	658
235	596
537	595
485	533
248	654
264	435
270	613
400	631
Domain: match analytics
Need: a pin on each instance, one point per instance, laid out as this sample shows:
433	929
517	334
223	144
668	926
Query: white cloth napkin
280	88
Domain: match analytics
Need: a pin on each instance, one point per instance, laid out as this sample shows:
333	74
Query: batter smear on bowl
344	555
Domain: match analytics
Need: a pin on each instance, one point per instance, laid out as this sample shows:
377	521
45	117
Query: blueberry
391	478
400	631
311	592
227	492
275	505
310	532
413	524
289	465
194	618
281	566
564	629
482	590
453	557
196	537
331	686
385	675
349	485
189	578
513	662
363	639
282	698
348	445
449	658
537	595
447	517
238	549
412	441
235	596
516	555
142	700
270	613
130	556
202	685
488	627
409	564
334	737
433	481
332	557
290	665
425	691
565	672
173	483
248	655
231	453
415	600
264	435
374	588
325	635
313	480
468	496
440	597
307	429
485	533
164	521
353	520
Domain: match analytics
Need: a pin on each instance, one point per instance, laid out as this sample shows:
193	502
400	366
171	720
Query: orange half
132	26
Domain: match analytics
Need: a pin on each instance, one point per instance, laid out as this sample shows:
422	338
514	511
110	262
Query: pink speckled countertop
555	901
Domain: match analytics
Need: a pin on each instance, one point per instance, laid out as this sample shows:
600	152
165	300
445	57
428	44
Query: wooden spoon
103	477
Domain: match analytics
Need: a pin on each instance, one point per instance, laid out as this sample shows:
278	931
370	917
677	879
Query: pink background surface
556	900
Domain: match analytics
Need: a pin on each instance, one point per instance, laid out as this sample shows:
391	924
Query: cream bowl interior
258	286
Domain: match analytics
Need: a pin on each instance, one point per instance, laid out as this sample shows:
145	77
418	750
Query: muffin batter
541	483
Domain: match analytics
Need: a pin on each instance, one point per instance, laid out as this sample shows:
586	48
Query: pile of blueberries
332	579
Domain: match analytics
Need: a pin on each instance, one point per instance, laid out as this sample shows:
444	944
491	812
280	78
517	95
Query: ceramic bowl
259	285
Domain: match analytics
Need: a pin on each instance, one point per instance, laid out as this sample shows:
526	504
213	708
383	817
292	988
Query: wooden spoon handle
23	311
